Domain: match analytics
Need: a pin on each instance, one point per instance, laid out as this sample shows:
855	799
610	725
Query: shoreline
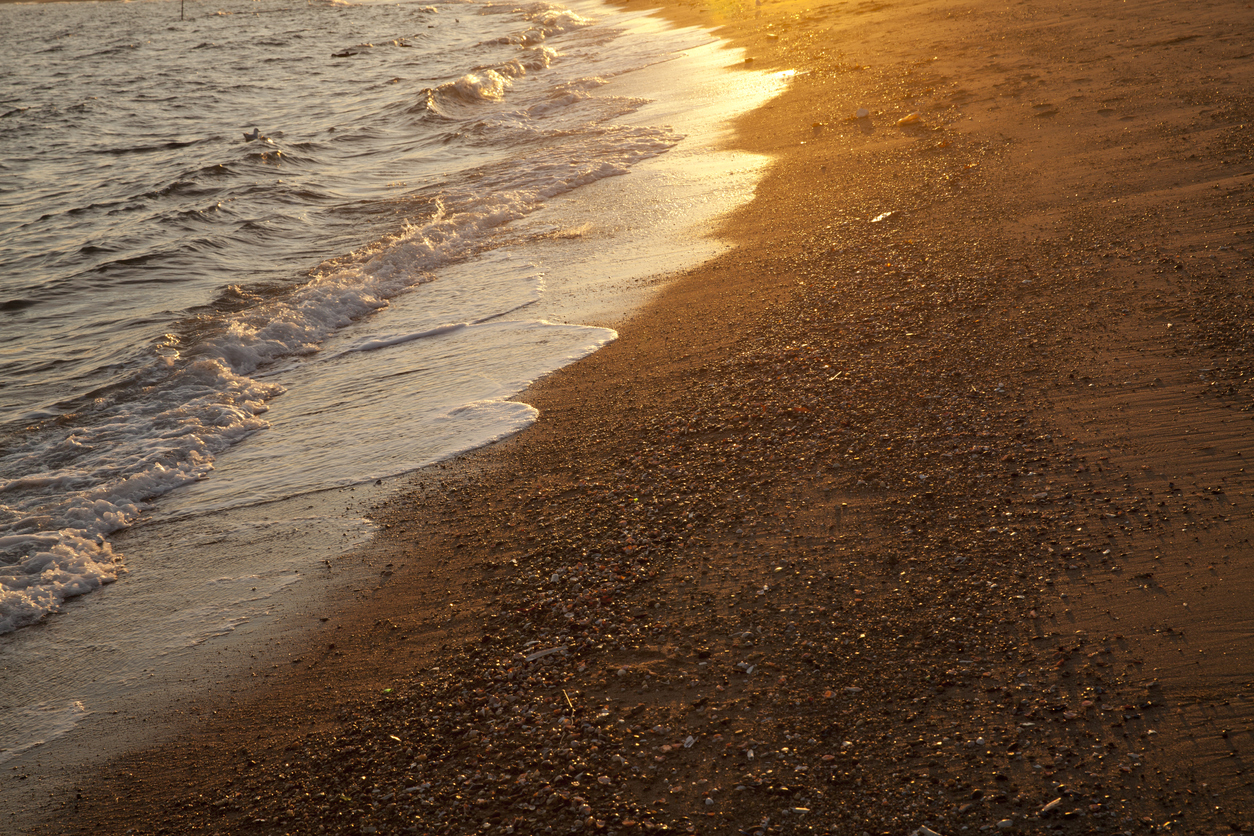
799	535
254	577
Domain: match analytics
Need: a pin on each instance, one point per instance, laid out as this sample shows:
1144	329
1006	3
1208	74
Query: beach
921	509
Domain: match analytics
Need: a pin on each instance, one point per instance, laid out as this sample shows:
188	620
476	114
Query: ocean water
165	282
442	203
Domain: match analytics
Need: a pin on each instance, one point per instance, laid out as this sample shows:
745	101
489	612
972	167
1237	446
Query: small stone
540	654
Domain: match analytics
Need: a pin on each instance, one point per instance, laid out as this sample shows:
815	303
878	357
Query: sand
924	506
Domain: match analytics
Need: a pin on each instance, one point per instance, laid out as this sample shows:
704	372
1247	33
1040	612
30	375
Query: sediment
886	519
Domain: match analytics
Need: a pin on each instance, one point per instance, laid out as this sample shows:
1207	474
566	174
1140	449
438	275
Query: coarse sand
925	506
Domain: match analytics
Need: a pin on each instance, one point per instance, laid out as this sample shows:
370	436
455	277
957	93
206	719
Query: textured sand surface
925	505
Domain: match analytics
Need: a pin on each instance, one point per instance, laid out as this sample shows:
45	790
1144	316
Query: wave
489	84
201	394
172	145
484	84
143	414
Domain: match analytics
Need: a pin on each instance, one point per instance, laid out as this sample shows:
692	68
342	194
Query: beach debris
861	113
883	216
911	119
1051	806
923	830
540	654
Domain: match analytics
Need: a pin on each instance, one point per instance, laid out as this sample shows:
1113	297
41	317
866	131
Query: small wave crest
401	339
489	84
542	24
486	84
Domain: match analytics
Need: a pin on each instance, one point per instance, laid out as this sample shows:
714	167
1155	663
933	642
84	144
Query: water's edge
315	546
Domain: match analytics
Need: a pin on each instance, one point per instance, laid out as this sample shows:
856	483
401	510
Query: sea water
277	248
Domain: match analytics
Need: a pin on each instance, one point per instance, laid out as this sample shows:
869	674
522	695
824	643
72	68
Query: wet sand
925	506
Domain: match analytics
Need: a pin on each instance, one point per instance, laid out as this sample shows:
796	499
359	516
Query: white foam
207	596
419	396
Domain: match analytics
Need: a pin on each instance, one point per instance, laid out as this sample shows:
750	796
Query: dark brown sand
926	505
